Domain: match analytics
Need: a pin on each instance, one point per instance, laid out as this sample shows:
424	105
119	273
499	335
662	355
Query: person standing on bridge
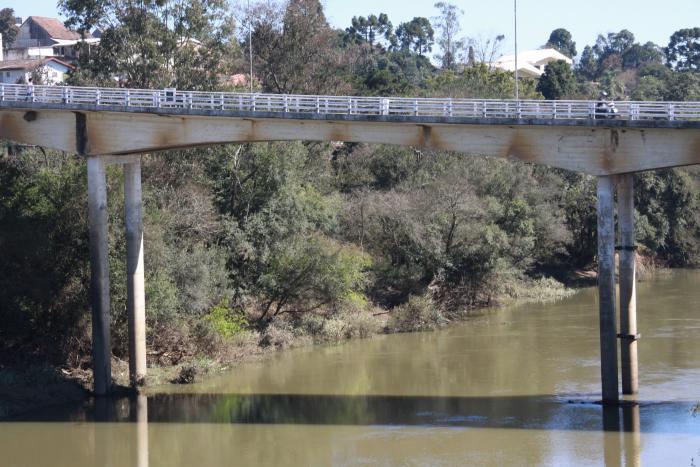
30	90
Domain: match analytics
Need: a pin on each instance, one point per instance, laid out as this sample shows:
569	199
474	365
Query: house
49	70
532	62
41	37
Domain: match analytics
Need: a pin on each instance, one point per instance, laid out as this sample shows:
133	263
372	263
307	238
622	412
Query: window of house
7	74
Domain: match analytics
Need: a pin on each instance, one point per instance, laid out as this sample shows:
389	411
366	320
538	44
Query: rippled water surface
516	386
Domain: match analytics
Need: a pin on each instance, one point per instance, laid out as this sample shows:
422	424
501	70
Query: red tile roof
54	28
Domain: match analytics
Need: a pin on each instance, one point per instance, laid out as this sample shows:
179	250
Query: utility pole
250	47
515	21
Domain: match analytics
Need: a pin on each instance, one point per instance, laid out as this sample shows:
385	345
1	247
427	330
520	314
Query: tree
417	34
297	53
448	26
638	55
8	28
683	51
185	44
485	49
587	67
367	29
557	81
560	39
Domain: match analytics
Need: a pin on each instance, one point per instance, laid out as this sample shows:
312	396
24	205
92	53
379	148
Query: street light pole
250	47
515	20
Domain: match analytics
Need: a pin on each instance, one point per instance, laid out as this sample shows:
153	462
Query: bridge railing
344	105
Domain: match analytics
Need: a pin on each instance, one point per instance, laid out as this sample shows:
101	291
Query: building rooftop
54	28
30	64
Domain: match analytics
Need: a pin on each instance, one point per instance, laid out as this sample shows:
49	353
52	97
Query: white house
41	37
51	70
532	62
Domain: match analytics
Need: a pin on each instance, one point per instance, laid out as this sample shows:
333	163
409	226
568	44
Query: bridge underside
594	149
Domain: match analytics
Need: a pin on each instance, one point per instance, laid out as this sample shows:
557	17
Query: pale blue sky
648	20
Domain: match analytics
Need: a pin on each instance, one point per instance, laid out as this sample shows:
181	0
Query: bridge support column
136	301
606	289
628	300
99	275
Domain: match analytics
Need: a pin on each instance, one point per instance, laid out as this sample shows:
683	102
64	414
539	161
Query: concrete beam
99	276
591	147
136	301
627	281
606	289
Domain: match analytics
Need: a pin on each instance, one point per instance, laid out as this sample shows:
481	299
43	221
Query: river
513	386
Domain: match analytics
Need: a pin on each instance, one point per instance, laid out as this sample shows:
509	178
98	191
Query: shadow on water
508	412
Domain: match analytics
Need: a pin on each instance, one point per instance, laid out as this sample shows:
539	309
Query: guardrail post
415	107
591	110
318	105
671	112
2	92
483	109
98	96
449	107
128	98
286	104
223	101
252	103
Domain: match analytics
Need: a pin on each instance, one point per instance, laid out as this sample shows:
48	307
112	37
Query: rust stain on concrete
520	147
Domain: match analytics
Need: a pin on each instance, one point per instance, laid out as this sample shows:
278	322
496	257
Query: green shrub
226	321
418	314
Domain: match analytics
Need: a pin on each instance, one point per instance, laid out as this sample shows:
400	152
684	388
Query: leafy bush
418	314
226	321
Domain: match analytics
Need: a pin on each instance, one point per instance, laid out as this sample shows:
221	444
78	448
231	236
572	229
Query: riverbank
28	387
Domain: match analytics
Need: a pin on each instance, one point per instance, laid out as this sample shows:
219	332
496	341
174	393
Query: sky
649	20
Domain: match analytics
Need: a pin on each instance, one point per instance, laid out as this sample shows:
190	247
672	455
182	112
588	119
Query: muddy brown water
514	386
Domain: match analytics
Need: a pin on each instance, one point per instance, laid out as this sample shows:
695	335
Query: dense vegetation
259	244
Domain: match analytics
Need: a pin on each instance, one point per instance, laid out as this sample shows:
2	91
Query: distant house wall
13	76
27	53
32	35
51	72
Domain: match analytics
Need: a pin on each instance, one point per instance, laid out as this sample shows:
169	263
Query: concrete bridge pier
99	270
627	284
628	294
606	289
136	299
99	275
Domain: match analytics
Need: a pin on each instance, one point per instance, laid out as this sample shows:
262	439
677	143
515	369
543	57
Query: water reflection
620	427
107	410
622	439
507	412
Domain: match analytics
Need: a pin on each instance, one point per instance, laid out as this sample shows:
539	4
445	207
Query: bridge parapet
345	105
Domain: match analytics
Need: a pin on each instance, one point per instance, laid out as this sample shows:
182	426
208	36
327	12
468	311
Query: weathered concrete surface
628	293
597	147
606	289
136	298
99	276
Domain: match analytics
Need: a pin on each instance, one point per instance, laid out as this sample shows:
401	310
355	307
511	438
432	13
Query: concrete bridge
113	126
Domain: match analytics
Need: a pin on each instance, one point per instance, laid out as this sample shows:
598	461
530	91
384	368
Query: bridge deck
438	110
564	134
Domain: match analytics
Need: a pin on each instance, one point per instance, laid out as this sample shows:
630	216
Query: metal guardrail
345	105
